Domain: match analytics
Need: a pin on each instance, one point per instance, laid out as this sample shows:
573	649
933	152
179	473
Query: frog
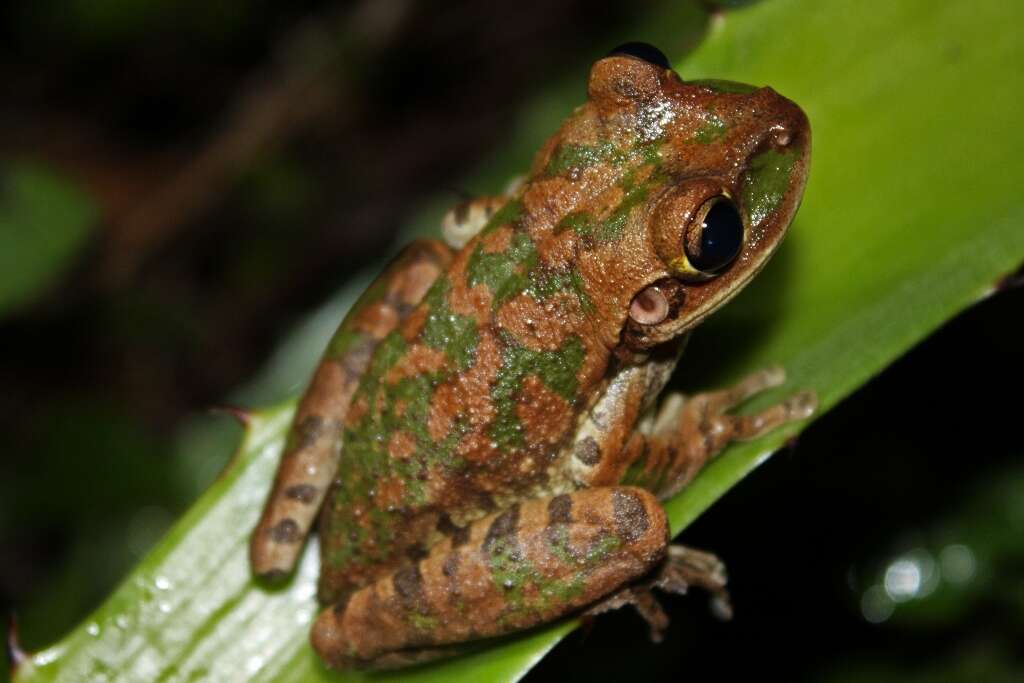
485	445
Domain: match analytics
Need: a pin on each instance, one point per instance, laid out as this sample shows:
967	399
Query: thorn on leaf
16	655
243	416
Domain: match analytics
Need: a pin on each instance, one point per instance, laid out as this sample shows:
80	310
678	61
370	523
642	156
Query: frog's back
464	407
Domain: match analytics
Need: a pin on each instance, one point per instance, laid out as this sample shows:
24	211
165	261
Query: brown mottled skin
482	436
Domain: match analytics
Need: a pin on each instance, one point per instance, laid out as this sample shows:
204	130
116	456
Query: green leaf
912	213
44	221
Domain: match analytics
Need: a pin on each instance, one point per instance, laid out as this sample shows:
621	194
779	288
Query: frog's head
715	174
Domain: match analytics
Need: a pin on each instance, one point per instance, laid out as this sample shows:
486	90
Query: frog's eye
644	51
715	236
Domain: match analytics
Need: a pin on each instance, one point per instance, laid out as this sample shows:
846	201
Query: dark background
243	159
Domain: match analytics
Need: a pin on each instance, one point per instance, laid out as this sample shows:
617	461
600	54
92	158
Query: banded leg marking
310	461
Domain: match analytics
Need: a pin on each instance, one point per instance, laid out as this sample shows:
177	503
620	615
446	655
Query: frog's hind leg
525	566
689	431
310	459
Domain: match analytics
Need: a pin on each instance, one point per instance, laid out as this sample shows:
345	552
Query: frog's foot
464	220
682	569
685	567
641	599
688	432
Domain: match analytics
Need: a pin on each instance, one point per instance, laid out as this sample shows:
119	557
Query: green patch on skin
505	273
599	550
422	622
578	288
544	284
580	222
547	283
398	407
612	227
556	369
515	270
512	574
388	352
713	129
725	86
766	182
569	156
649	152
509	213
447	331
557	538
566	590
345	338
562	592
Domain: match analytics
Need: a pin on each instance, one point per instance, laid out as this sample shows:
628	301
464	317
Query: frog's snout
772	186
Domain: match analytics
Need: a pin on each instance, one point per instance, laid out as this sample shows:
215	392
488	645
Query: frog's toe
717	402
687	567
683	568
641	599
802	405
753	384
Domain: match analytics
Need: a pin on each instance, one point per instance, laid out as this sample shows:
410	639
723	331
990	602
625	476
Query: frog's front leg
310	459
464	220
663	453
525	566
689	431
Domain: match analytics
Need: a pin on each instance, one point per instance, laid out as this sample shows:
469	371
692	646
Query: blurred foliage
963	568
106	509
44	222
96	24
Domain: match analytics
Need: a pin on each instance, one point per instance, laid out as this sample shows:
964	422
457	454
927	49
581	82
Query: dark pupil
720	239
644	51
